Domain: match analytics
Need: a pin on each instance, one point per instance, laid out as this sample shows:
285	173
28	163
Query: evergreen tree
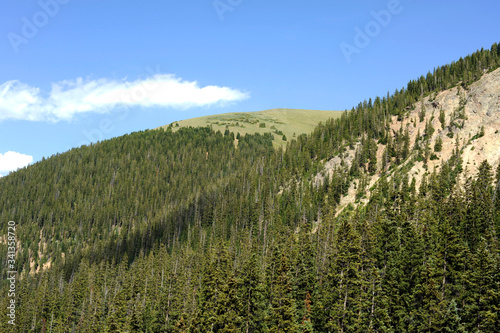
481	305
303	272
342	299
438	145
480	206
283	309
442	118
421	114
252	294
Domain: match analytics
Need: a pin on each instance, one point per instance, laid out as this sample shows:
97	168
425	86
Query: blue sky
72	72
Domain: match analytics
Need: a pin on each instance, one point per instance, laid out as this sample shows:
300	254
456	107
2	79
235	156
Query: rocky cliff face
479	105
471	123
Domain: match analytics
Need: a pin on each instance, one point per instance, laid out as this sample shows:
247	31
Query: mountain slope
279	122
464	118
182	231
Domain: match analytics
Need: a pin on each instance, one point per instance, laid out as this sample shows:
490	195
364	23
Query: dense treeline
193	231
408	261
147	184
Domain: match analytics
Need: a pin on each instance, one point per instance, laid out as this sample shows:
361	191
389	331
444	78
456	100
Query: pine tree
118	320
438	145
452	321
304	271
442	118
372	163
481	305
430	311
206	315
429	130
406	144
220	303
342	288
136	320
480	206
283	310
252	296
421	114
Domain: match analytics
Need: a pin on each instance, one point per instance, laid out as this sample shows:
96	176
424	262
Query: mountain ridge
179	230
480	107
279	121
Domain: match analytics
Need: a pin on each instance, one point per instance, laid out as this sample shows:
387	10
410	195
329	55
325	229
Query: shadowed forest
163	231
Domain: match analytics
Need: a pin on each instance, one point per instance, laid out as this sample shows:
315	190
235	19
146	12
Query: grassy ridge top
288	122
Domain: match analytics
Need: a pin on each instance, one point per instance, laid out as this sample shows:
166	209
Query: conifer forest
194	230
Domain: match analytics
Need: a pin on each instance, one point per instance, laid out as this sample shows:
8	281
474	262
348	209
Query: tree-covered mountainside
163	231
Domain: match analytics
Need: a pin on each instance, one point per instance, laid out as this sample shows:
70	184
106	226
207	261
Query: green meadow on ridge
279	122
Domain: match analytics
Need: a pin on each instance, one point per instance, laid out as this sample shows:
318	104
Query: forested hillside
162	231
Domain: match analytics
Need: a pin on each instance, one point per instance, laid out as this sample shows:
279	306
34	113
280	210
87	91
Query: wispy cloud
11	161
69	98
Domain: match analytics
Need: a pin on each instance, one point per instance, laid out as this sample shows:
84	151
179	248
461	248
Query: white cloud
69	98
11	161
